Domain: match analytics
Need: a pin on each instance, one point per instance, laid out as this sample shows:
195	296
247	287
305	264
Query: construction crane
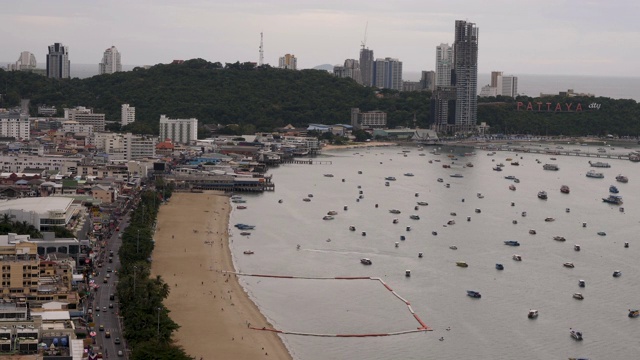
364	42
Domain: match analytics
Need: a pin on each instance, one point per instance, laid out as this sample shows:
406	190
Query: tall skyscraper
388	74
58	64
288	62
465	77
350	69
128	115
494	78
428	80
26	61
110	61
444	64
366	66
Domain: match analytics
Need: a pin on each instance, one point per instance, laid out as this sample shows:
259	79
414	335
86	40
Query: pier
306	162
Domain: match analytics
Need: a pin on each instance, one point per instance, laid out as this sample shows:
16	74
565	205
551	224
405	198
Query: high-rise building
350	69
465	76
181	131
128	114
110	61
388	74
508	86
444	64
58	64
494	78
26	61
366	66
288	61
428	80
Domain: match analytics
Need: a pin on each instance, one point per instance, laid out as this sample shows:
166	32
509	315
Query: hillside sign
558	107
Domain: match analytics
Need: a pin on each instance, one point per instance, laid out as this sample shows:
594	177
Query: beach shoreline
213	310
358	145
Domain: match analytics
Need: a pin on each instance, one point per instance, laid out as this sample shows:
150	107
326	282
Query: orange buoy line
423	327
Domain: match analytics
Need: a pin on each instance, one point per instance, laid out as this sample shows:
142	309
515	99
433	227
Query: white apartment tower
181	131
387	74
288	62
508	86
58	64
110	62
14	124
26	61
128	115
444	62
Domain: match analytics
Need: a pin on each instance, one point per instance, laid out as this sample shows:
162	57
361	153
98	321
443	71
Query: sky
564	37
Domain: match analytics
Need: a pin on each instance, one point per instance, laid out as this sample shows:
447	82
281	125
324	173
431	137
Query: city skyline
568	38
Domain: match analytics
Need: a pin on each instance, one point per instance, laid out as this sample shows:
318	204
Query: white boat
516	257
594	174
578	296
532	314
577	335
480	196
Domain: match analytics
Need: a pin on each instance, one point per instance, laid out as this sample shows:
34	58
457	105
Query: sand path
212	309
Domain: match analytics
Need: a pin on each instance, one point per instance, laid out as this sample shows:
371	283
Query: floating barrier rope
423	327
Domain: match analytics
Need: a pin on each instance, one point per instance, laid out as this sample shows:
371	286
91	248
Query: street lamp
159	322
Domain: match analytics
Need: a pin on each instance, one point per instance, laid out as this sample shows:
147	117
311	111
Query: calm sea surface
494	327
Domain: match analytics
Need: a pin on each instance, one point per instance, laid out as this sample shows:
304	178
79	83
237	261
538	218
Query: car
104	309
101	328
110	306
100	265
109	270
108	276
107	334
118	229
112	296
110	260
116	341
120	353
105	280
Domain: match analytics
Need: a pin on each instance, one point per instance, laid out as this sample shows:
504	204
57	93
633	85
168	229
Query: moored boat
613	189
613	199
564	189
617	273
241	207
559	238
532	314
497	168
327	217
599	164
581	283
511	243
423	203
512	187
549	219
456	175
550	167
578	296
577	335
248	252
499	267
568	264
332	212
408	174
394	211
414	217
542	195
462	264
532	231
622	179
328	175
595	174
634	313
390	178
516	257
365	261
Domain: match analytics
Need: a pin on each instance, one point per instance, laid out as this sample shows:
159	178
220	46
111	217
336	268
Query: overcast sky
569	37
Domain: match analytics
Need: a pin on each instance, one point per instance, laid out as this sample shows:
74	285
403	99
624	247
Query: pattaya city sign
557	107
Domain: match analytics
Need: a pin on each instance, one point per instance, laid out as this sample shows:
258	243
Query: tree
361	135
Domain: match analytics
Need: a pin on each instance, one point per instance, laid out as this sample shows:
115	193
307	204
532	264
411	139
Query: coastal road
105	307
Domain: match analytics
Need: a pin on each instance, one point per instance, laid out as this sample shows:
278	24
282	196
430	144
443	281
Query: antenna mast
261	61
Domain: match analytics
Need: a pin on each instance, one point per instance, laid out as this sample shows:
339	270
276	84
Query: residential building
128	115
77	128
118	172
428	80
126	146
388	74
142	147
509	86
20	266
26	62
444	64
288	62
15	124
85	116
180	131
350	69
371	119
110	61
441	108
366	66
47	110
58	64
465	64
106	194
64	165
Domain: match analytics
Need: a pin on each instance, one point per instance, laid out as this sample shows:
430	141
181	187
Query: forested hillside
266	98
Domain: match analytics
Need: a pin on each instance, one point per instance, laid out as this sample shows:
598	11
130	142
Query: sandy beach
212	309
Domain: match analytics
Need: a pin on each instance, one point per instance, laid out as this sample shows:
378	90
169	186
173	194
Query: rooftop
40	205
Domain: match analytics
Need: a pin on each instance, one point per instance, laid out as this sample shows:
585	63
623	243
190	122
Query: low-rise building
42	212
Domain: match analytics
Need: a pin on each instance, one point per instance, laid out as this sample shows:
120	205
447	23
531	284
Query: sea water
495	326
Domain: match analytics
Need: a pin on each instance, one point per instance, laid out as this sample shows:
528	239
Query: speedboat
549	219
497	168
602	233
532	232
524	214
613	189
568	264
634	313
576	334
327	217
516	180
564	189
595	175
516	257
510	177
622	179
423	203
474	294
499	267
352	228
328	175
451	222
456	175
617	273
415	217
306	199
542	195
408	174
394	211
613	199
245	233
390	178
511	243
244	226
578	296
248	252
365	261
332	212
559	238
241	207
532	314
462	264
515	163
